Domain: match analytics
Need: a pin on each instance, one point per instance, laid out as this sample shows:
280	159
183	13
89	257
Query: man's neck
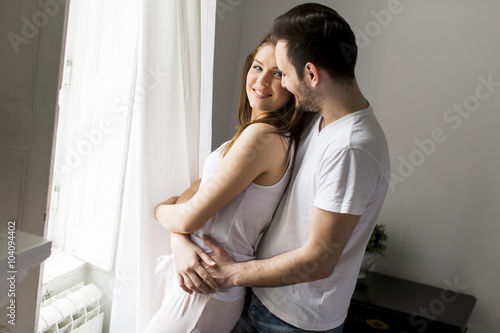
342	101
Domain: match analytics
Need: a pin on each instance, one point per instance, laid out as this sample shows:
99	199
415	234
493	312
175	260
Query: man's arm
329	232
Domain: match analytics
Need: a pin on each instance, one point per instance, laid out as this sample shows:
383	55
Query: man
311	253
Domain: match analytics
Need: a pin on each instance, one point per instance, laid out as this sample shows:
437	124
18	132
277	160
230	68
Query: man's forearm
288	268
316	259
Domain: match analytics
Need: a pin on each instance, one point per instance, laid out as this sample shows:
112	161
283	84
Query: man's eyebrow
275	67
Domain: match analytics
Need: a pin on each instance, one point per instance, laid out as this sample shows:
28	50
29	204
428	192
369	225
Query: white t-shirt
341	169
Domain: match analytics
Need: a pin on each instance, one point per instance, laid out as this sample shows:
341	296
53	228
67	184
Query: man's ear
311	72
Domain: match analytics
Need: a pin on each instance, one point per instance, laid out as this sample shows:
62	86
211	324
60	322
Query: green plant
377	242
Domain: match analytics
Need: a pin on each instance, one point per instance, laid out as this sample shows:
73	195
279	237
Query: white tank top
237	226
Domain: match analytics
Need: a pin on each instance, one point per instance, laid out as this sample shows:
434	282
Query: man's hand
188	258
225	269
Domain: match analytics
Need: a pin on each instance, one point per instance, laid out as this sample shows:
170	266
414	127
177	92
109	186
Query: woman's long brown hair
287	121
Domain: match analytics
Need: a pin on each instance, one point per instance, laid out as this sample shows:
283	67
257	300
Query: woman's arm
184	197
189	193
191	276
256	152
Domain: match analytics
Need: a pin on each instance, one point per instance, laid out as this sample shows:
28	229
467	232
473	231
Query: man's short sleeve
346	180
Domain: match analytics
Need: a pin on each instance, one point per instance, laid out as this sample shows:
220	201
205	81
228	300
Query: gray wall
227	69
423	67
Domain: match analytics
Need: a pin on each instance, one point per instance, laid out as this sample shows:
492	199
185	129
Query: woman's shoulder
261	133
260	128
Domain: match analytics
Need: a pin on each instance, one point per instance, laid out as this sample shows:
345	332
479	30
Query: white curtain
170	138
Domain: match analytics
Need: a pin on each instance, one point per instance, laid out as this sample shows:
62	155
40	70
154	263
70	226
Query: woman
242	184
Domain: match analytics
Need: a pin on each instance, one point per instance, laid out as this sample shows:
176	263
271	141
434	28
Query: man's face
306	99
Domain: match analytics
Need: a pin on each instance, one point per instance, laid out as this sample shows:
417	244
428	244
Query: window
93	129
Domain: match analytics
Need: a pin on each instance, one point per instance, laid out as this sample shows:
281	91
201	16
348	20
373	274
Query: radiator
75	310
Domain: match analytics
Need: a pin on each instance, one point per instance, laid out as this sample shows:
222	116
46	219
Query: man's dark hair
318	34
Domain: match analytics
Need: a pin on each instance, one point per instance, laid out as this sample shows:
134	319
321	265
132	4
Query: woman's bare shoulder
264	138
261	129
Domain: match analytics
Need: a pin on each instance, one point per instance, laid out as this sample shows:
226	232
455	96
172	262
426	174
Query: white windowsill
59	265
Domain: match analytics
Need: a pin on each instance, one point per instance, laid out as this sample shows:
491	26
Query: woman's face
264	89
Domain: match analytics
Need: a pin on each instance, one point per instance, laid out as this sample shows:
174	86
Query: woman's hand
190	273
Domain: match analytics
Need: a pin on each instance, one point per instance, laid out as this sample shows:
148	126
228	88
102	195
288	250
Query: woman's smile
261	93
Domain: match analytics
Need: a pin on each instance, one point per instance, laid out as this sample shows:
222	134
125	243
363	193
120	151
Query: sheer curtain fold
170	136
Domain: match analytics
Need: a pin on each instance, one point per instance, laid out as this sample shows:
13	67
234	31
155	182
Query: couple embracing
307	169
